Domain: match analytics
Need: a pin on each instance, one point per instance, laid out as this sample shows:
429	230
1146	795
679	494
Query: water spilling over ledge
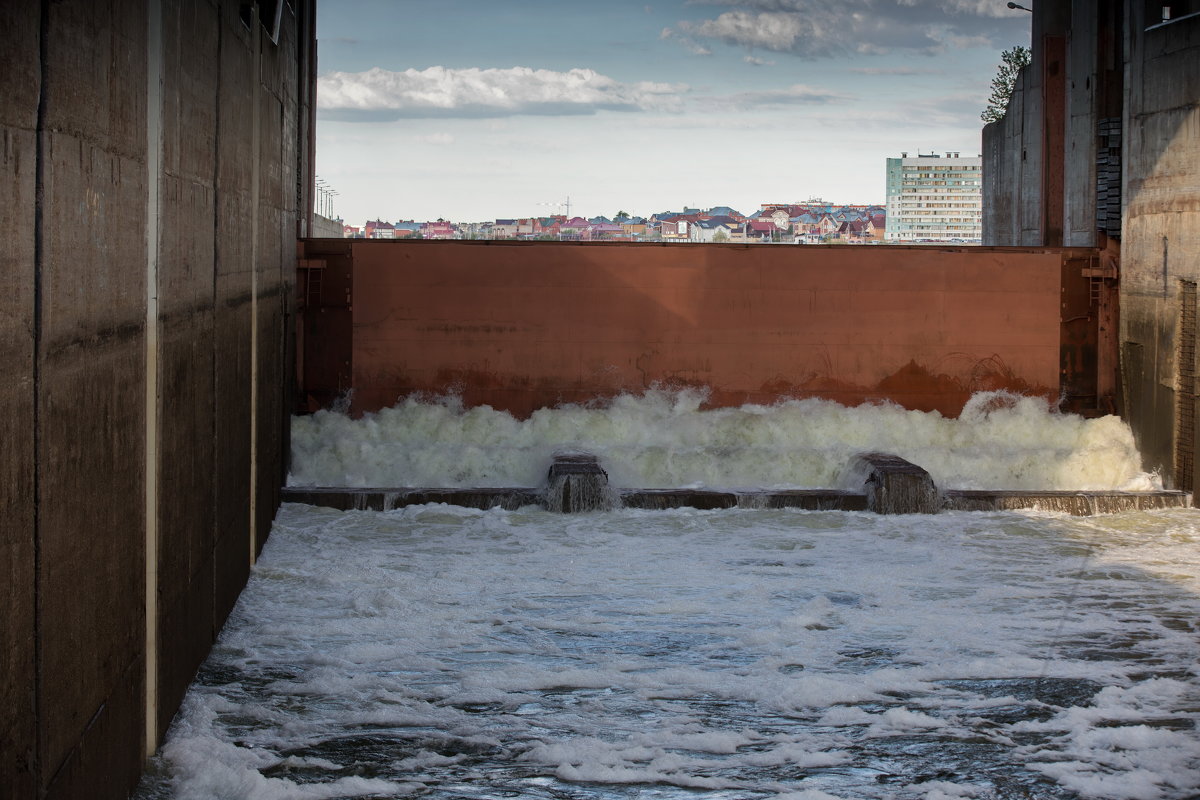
663	449
669	440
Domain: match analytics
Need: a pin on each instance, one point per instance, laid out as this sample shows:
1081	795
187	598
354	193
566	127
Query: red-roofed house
760	231
378	229
877	224
437	230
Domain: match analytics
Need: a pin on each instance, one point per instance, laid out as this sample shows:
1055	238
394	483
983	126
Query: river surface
441	652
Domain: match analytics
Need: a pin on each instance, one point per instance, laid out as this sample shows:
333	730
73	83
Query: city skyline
477	111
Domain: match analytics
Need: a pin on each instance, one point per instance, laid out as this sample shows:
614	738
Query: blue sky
472	110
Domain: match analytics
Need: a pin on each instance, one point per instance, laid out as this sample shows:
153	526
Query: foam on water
665	440
441	652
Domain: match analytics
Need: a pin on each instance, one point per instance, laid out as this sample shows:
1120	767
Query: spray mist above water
666	439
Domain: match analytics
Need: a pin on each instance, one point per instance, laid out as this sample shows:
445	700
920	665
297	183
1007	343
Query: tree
720	236
620	215
1011	62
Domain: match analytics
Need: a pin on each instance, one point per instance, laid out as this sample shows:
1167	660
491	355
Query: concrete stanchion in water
577	482
896	486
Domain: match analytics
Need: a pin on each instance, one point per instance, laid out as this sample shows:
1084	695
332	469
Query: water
440	652
669	440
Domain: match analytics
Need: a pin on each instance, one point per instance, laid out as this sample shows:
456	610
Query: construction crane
565	205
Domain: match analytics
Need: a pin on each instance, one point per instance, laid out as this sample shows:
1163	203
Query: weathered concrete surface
127	525
19	47
233	252
1012	168
325	228
91	398
523	325
1039	159
1160	241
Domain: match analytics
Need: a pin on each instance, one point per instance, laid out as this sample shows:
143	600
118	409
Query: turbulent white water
664	440
454	654
440	652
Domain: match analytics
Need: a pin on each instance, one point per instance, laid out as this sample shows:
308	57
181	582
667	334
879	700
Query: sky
473	110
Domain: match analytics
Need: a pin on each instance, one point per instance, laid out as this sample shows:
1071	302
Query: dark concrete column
896	486
577	482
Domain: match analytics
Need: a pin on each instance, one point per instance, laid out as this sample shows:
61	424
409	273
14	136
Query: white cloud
771	31
894	71
820	29
380	94
688	43
758	62
797	94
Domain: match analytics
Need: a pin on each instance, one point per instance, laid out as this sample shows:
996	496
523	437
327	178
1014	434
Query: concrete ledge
381	499
812	499
1080	504
353	499
661	499
891	485
1076	503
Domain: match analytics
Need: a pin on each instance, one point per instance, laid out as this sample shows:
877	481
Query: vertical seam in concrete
154	143
36	381
255	198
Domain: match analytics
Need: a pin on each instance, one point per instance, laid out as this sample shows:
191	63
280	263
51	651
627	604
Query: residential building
634	227
933	198
437	230
724	211
878	226
504	229
575	229
378	229
760	231
675	230
714	229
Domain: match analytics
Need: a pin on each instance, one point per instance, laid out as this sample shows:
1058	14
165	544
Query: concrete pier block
896	486
577	482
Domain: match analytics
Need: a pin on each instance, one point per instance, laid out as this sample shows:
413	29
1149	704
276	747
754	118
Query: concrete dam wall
150	155
1100	147
523	325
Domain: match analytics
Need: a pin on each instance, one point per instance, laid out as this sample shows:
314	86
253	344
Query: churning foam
664	439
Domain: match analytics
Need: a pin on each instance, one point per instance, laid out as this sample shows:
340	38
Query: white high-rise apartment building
933	198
